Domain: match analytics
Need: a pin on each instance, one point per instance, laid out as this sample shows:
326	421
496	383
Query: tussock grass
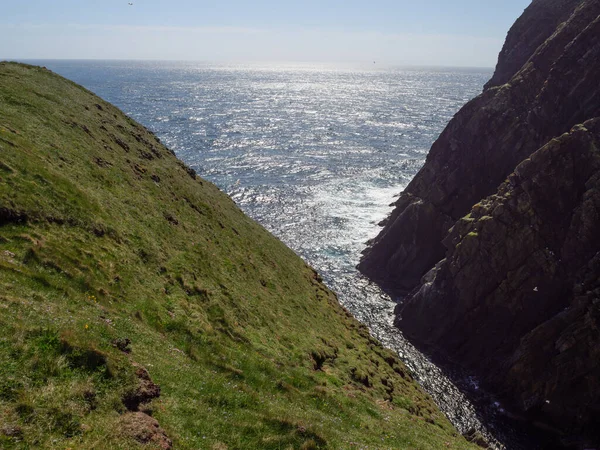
106	236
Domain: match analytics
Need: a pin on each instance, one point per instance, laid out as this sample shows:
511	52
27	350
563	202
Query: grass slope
105	235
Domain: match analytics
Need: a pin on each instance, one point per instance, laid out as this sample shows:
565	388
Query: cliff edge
496	238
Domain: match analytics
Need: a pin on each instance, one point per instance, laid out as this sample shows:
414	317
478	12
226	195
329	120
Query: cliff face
517	297
498	234
532	29
554	90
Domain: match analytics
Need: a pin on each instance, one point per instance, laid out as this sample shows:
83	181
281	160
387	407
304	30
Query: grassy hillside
115	257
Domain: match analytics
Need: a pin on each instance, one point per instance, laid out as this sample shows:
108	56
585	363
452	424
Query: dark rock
86	129
517	298
146	155
122	344
554	90
121	143
539	21
191	172
499	234
9	215
145	391
171	218
102	162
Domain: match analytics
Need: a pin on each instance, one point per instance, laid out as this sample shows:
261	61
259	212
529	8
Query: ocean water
314	153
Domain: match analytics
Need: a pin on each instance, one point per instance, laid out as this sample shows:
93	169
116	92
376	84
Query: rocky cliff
498	234
520	282
555	89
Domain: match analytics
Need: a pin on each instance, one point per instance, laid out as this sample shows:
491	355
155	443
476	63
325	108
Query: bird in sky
130	4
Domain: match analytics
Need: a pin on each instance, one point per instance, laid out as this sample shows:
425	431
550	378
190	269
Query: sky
393	32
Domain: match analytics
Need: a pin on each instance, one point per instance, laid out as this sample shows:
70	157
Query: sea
317	154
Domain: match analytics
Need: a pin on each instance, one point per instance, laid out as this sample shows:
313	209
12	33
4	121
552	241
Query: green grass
104	234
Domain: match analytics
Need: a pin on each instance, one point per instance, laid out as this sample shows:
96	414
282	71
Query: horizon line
371	63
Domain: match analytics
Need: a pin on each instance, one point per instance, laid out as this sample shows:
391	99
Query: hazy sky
425	32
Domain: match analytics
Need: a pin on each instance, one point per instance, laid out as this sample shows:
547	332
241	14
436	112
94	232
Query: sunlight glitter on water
314	153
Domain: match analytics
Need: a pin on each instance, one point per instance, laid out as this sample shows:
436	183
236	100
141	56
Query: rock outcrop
555	89
532	29
497	238
517	297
